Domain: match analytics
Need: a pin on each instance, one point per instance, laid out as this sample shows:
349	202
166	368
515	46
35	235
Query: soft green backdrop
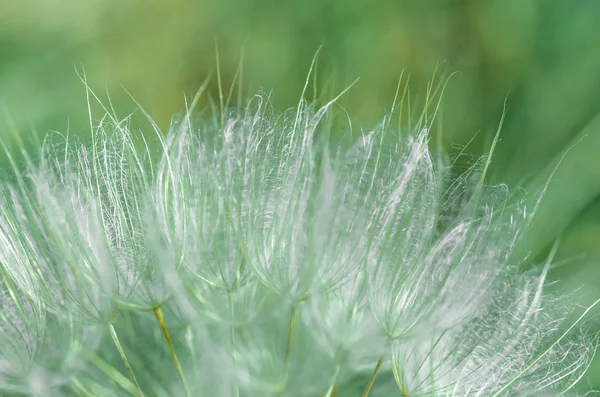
543	55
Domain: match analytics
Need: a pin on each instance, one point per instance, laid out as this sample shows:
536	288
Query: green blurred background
541	56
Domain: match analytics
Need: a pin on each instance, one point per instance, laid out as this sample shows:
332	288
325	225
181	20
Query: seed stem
290	335
236	388
161	321
112	373
334	391
288	346
80	389
373	376
115	338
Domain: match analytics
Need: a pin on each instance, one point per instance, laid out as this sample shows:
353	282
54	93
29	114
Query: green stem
80	389
372	379
334	391
161	321
115	338
288	346
290	335
112	374
236	389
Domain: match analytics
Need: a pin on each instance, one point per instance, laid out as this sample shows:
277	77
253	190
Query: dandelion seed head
276	261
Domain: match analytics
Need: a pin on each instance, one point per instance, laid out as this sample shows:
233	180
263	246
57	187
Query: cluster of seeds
252	253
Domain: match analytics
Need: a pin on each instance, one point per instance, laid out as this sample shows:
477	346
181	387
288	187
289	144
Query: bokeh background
540	56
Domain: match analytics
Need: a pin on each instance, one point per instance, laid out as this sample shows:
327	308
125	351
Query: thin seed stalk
80	389
76	391
290	335
372	379
236	389
334	391
112	373
158	314
115	338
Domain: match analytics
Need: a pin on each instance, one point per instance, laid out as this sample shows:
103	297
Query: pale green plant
251	253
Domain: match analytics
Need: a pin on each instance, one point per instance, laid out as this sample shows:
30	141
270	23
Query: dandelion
249	253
